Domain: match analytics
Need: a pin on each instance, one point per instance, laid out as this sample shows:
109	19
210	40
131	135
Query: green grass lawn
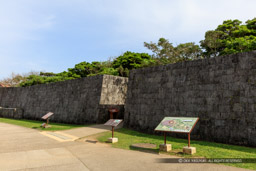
37	124
205	149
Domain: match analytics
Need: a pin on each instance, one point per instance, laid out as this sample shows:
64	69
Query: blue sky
53	35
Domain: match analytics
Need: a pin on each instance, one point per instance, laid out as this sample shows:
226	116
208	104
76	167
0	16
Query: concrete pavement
87	131
26	149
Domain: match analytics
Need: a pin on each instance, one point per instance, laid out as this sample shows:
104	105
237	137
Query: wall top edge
198	61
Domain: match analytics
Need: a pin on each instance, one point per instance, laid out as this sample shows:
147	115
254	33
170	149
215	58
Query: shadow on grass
185	141
146	150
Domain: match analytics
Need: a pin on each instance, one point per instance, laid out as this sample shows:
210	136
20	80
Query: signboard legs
46	125
165	147
47	122
177	125
113	123
188	139
112	139
47	117
188	149
112	132
165	138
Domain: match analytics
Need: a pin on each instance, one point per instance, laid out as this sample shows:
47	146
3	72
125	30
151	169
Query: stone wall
220	91
113	94
113	90
72	101
15	113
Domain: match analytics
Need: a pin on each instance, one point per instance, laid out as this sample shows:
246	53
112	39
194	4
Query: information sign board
177	124
46	116
113	122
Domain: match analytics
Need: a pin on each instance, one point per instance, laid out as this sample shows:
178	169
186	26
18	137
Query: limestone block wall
113	90
113	94
220	91
72	101
15	113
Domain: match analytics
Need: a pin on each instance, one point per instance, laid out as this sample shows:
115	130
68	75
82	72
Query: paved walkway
87	131
27	149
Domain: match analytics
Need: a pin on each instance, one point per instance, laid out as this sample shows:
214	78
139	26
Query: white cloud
151	19
21	22
24	23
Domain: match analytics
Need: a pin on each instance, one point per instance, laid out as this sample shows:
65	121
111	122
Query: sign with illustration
113	122
177	124
46	116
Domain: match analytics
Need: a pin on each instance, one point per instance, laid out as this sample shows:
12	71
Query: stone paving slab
87	131
90	130
16	138
59	136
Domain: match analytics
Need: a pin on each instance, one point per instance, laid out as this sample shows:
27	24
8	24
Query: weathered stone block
165	147
113	140
189	150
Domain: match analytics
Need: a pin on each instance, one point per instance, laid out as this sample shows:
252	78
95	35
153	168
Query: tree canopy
119	67
164	51
14	80
230	37
131	60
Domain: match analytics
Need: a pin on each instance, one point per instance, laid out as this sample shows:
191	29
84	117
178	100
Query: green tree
230	37
15	79
47	74
83	69
212	43
164	52
188	51
37	79
131	60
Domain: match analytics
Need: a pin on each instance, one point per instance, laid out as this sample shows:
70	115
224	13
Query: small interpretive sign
46	116
113	122
177	124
